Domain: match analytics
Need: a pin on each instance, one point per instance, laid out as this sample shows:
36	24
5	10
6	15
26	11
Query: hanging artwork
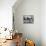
28	19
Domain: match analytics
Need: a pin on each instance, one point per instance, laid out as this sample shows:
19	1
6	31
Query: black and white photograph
28	19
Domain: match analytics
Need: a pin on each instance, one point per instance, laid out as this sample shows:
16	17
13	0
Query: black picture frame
28	19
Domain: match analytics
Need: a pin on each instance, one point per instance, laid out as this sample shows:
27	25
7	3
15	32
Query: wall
30	31
43	22
6	13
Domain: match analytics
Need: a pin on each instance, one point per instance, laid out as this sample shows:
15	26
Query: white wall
6	13
37	31
31	31
43	22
